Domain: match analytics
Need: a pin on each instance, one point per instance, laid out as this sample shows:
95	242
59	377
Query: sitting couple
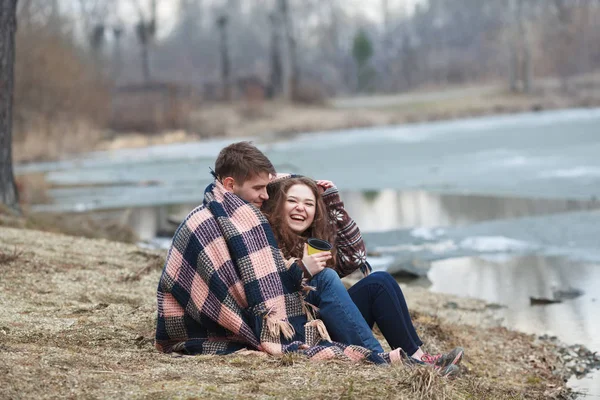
239	276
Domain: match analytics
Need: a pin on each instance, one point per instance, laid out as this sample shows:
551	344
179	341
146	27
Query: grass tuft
424	383
7	258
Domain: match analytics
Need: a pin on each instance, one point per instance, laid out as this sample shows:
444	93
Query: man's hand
324	185
315	263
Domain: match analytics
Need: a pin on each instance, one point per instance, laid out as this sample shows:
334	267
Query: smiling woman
299	208
296	211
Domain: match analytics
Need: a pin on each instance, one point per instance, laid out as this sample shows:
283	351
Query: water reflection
374	211
511	281
391	209
588	386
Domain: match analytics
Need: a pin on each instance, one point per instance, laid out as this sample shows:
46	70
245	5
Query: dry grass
79	225
8	257
56	138
77	320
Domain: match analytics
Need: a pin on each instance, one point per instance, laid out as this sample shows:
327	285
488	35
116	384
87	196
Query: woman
299	208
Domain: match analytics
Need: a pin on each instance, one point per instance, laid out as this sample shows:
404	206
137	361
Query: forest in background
80	60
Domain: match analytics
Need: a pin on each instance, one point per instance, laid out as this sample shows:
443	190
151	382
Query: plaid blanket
225	287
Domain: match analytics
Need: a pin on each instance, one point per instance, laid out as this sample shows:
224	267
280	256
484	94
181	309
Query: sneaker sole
458	358
450	371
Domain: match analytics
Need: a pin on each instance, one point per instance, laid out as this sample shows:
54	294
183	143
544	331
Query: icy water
499	208
511	281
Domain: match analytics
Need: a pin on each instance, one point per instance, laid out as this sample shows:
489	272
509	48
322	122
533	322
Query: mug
317	245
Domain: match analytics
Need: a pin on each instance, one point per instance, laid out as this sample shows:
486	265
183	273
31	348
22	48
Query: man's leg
343	320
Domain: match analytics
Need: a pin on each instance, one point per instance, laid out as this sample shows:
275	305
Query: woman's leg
380	300
343	320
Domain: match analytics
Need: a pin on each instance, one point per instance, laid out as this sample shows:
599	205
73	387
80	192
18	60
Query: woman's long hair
291	243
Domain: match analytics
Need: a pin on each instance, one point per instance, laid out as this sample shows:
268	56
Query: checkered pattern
225	286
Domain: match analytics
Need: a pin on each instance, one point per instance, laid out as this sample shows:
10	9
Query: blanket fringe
310	310
280	327
320	326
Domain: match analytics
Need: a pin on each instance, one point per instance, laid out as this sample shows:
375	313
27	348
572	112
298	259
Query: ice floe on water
498	244
432	247
427	233
569	173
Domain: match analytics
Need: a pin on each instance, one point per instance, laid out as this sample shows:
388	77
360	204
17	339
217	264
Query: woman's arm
351	253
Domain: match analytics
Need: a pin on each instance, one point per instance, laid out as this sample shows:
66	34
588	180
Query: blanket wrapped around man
225	287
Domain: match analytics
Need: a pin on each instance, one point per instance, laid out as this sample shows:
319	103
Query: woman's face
300	208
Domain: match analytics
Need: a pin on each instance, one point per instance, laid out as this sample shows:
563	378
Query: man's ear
228	183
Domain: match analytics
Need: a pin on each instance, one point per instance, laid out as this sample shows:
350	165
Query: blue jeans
381	301
343	320
349	315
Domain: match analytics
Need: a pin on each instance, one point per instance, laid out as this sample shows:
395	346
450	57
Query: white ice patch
438	247
380	263
577	172
499	258
516	161
493	244
427	233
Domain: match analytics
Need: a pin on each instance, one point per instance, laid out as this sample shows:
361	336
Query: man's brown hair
242	161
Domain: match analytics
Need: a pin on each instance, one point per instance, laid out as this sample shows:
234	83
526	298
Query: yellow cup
317	245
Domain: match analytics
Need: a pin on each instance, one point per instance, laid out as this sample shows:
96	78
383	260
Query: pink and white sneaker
444	360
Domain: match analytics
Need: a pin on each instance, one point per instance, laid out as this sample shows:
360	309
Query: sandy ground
77	321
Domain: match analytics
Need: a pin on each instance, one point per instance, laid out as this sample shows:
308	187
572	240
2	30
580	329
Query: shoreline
89	312
277	119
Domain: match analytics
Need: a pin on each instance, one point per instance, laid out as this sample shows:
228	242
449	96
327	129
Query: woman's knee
382	278
329	276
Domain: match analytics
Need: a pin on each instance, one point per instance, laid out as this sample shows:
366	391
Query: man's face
254	190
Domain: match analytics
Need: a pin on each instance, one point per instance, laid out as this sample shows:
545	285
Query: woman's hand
324	185
315	263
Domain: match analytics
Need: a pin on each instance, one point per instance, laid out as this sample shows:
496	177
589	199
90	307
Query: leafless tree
225	63
146	31
276	72
520	49
8	27
291	86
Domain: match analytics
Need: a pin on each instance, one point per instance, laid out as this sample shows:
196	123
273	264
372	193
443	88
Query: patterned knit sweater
351	254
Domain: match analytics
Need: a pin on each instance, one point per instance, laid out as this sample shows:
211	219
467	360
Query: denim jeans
349	315
381	301
342	318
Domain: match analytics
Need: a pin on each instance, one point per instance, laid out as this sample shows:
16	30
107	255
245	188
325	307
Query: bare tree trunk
145	61
292	76
513	40
521	72
8	27
386	46
526	49
276	78
146	30
225	63
117	52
